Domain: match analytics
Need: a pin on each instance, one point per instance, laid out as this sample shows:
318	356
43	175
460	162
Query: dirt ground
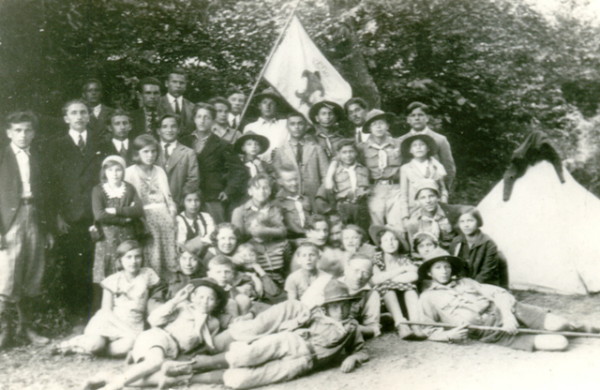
394	364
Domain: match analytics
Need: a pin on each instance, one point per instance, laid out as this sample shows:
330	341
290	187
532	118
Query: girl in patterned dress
160	211
394	277
113	329
116	207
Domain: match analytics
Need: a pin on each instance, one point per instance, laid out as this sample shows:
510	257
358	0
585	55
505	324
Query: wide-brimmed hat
267	92
427	184
262	141
222	295
407	142
116	159
336	108
336	291
375	114
376	231
439	254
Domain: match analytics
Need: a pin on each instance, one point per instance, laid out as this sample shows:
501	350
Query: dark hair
68	104
414	105
118	112
235	91
474	213
356	100
335	219
221	226
140	142
165	116
190	191
346	142
221	260
148	81
295	114
21	117
307	244
420	237
312	221
90	81
357	229
176	70
253	182
219	100
204	106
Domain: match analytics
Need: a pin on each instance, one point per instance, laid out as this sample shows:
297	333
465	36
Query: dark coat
74	175
138	124
99	126
108	149
220	169
482	258
186	119
11	188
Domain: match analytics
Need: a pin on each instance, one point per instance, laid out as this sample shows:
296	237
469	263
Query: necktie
299	153
177	108
167	146
299	209
81	143
234	122
123	151
358	137
151	124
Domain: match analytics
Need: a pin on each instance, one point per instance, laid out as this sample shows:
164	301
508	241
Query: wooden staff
264	68
496	328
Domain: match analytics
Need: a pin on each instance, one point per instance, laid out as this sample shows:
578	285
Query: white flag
302	75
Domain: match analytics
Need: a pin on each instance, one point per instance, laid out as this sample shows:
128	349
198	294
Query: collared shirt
170	148
199	141
438	225
360	136
172	100
75	136
22	156
462	301
348	179
367	309
294	208
328	140
382	160
234	120
96	110
119	145
274	129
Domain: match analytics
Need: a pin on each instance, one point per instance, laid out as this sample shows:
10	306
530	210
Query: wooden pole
496	328
264	68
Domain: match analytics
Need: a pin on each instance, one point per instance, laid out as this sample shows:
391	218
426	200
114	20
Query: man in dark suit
99	113
120	143
174	103
144	120
223	177
76	159
25	228
178	161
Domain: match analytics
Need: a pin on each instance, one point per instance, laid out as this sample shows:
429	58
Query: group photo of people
259	235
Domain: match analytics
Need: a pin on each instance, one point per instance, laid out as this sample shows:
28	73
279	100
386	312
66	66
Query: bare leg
120	347
223	340
411	299
393	306
243	303
209	363
151	364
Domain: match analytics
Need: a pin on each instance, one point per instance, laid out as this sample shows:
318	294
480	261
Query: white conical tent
548	231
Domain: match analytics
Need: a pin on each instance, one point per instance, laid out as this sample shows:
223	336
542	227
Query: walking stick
496	328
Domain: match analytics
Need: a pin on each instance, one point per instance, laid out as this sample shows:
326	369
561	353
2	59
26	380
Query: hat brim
406	143
388	117
259	96
262	141
314	110
457	264
339	299
221	293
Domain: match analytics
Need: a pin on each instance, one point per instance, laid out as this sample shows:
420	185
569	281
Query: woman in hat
394	277
327	116
417	153
249	147
117	209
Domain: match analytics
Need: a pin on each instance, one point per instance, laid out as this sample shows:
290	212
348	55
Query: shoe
94	383
404	331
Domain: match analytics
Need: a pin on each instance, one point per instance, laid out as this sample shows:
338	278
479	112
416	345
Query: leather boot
25	329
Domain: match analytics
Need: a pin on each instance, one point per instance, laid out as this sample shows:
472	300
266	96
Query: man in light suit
25	228
144	120
178	161
99	113
303	153
174	103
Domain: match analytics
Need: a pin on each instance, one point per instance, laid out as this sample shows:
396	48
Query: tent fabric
548	231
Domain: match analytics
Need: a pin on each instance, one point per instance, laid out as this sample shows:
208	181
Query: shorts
154	338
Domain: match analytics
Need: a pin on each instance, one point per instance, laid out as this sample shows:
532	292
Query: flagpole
264	68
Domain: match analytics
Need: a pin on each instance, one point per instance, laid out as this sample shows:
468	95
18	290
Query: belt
27	201
387	182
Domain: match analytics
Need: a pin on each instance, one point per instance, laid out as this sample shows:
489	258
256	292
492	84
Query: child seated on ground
252	280
113	329
295	207
477	249
221	270
184	323
459	301
319	338
270	225
418	164
190	267
191	222
394	276
307	256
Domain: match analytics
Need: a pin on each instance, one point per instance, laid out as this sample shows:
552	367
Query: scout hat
407	142
268	92
222	296
438	254
336	108
427	184
375	114
336	291
262	141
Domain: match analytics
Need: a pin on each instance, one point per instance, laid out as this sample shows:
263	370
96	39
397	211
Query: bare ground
394	364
